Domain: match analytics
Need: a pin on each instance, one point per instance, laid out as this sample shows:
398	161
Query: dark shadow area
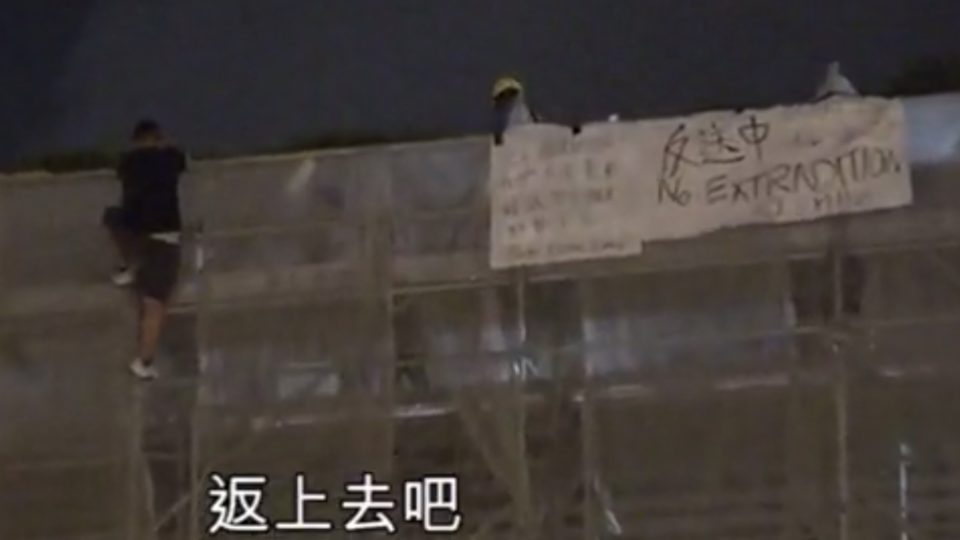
39	29
928	75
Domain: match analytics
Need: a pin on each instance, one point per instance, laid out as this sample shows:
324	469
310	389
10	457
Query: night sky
245	75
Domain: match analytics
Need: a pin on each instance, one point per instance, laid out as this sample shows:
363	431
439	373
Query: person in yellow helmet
509	107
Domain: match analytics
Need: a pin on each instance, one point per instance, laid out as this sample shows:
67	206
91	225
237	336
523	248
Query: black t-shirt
150	177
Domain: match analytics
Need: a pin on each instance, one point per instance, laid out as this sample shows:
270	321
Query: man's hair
146	128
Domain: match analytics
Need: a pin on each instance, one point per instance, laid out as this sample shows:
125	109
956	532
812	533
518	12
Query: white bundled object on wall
933	128
933	121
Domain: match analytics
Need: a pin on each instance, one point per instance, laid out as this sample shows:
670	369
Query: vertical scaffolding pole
522	361
904	469
377	221
588	429
137	465
841	383
133	472
193	515
843	461
520	290
202	308
183	472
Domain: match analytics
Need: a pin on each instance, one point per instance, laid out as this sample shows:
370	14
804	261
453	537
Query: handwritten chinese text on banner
559	197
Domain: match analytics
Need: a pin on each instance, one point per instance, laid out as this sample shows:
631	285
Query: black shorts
157	269
157	262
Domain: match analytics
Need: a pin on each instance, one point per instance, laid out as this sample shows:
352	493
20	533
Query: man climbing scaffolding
146	230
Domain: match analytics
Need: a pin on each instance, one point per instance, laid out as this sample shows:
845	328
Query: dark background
230	76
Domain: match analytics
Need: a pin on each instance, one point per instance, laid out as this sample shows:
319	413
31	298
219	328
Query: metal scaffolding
338	316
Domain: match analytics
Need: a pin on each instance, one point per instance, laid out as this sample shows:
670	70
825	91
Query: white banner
560	197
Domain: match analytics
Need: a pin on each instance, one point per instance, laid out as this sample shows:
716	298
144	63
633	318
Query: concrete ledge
933	220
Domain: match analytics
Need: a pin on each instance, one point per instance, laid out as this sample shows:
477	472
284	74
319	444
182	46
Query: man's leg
156	280
125	242
152	314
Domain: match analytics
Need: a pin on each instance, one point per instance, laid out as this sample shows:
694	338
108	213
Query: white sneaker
142	370
122	278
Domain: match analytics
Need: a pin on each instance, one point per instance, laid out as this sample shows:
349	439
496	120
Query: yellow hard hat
505	84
